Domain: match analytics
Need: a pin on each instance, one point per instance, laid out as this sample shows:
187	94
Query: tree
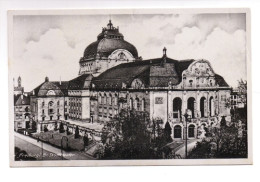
128	137
45	129
55	126
61	129
168	132
242	90
67	130
223	143
85	140
76	132
223	122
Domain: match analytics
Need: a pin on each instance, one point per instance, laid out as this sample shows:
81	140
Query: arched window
58	103
177	131
143	105
109	99
191	131
116	100
191	106
99	99
177	105
137	104
121	55
50	107
43	103
211	106
131	103
105	99
190	82
203	106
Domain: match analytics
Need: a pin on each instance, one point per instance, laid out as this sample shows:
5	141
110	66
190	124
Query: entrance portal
191	131
177	131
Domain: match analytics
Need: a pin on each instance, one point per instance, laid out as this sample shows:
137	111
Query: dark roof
221	81
106	46
60	88
153	72
81	82
16	97
157	72
22	100
109	40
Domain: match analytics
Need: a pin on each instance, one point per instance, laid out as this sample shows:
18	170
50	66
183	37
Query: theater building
112	77
165	88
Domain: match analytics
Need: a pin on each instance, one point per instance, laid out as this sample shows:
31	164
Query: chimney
22	96
60	80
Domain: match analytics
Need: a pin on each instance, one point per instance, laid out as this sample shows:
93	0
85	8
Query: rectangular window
223	98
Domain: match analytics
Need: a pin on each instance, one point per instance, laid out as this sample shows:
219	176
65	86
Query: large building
112	77
165	88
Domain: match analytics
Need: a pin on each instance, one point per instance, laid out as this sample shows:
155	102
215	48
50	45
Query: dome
109	40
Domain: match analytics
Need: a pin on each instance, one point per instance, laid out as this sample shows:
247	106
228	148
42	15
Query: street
34	149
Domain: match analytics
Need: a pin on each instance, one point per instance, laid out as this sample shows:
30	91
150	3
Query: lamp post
186	115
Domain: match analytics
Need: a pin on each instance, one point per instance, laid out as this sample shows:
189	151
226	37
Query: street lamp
186	115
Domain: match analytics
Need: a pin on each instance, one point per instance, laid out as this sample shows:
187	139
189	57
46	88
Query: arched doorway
191	106
191	131
177	131
202	106
211	106
177	104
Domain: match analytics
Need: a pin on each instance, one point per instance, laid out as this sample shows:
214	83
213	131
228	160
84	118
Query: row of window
51	103
50	111
108	100
137	104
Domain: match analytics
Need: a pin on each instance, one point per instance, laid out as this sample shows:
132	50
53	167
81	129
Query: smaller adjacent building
238	99
21	111
48	103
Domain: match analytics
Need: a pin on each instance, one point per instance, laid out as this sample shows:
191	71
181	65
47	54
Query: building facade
166	89
112	78
21	111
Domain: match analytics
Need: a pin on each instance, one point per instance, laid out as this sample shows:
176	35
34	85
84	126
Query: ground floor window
177	131
191	131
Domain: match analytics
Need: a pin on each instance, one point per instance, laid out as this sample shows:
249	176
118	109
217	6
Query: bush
61	129
76	132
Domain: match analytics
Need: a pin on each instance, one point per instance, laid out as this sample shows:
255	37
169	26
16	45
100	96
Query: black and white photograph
129	87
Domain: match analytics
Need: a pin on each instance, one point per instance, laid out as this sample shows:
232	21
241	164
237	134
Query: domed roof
109	40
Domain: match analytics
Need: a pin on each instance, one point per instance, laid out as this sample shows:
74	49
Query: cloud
53	45
49	56
226	51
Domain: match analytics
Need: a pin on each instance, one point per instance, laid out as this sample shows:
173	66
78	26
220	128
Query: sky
52	45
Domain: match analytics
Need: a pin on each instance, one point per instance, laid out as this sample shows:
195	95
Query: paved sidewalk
73	155
181	149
